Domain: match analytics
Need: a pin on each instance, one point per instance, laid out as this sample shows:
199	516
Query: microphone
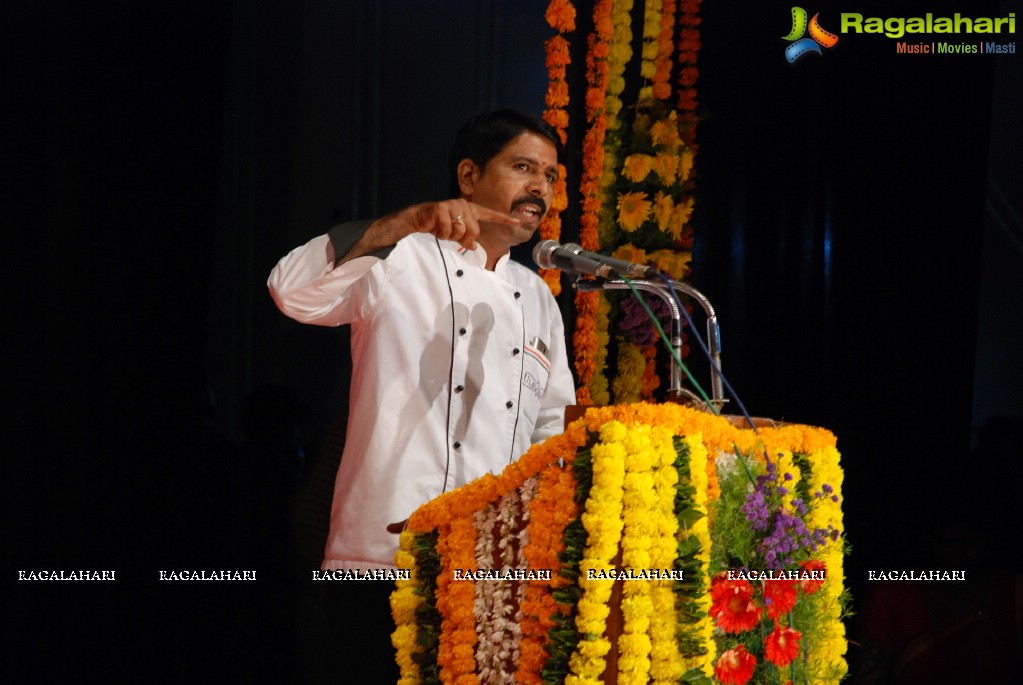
548	254
618	266
571	258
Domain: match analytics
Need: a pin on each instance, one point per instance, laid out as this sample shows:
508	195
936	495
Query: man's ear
468	172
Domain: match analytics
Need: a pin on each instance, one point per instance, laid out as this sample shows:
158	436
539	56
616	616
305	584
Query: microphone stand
675	388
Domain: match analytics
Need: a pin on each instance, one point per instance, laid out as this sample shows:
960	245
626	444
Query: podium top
575	411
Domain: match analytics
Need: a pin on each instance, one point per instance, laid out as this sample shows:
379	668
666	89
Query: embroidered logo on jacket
530	382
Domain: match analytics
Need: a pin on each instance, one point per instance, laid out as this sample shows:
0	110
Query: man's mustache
532	201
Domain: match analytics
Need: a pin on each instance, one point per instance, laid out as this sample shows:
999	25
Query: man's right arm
454	220
310	285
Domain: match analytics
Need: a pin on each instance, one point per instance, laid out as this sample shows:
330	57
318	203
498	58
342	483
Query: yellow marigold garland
640	498
602	519
628	384
825	469
598	387
404	602
652	16
665	660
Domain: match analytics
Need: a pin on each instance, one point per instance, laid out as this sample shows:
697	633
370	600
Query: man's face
519	181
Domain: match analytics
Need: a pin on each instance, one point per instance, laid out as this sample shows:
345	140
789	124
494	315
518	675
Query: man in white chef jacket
459	358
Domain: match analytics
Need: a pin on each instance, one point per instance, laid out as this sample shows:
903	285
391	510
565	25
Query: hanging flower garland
560	16
640	498
550	511
405	600
501	535
485	523
688	49
456	601
619	54
825	479
602	519
665	659
598	386
584	341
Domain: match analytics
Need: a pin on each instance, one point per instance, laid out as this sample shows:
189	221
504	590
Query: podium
602	556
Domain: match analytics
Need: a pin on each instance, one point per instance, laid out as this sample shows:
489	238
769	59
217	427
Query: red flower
735	666
732	604
811	586
782	645
779	597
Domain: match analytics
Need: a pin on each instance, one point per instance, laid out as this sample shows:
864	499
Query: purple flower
755	510
635	324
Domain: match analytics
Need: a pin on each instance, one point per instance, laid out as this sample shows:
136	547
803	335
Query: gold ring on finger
458	219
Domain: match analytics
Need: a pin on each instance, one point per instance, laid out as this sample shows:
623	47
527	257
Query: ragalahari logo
800	45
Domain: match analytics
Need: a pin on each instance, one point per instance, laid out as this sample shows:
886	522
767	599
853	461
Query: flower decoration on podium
645	544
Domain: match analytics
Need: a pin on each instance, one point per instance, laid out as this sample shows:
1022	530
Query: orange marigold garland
455	602
561	17
661	88
584	340
548	515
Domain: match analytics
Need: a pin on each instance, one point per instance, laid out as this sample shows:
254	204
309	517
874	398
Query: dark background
857	229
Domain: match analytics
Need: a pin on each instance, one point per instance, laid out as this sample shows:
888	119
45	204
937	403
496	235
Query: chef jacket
456	371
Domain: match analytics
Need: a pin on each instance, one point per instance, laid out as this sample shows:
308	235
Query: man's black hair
485	135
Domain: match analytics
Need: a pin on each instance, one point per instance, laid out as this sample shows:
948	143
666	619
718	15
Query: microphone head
543	253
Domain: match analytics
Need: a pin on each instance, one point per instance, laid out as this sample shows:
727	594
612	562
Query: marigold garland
404	602
560	16
598	386
633	500
455	602
584	339
549	511
602	519
665	659
639	499
829	655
